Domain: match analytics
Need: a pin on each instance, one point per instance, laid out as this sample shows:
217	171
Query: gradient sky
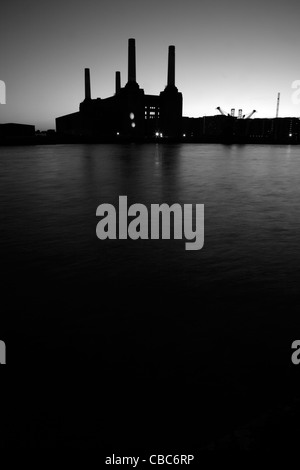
228	53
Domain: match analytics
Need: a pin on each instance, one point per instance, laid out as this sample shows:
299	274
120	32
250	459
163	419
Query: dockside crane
240	113
222	112
277	106
249	115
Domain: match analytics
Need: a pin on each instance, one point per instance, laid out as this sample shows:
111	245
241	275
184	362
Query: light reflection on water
49	196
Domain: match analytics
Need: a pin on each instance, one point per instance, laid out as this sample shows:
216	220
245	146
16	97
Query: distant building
17	134
133	115
130	113
229	129
12	130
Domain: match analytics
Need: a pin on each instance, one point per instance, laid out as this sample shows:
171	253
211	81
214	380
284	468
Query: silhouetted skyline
234	54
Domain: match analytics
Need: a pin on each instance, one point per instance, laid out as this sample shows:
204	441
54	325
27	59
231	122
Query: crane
240	113
222	112
249	115
278	103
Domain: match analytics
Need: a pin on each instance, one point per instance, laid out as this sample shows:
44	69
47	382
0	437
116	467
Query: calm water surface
219	321
49	196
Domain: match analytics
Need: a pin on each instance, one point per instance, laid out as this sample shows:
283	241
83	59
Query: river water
156	309
251	194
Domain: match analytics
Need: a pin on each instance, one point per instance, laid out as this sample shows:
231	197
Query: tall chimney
131	60
118	82
87	84
171	66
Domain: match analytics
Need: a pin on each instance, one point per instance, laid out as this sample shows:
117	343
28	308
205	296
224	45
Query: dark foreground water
172	346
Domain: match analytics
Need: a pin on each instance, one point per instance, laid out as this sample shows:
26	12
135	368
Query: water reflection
251	196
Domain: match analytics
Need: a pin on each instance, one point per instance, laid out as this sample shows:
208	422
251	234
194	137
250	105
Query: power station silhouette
132	115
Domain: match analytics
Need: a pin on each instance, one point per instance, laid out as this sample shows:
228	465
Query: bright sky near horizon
233	54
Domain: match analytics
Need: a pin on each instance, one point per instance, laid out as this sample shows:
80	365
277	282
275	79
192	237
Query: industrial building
135	116
16	133
228	129
130	113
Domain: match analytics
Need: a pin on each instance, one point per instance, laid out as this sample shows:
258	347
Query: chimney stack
171	66
131	61
118	82
87	84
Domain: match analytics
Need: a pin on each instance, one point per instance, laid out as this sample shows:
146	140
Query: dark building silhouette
229	129
16	130
13	133
130	113
133	115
